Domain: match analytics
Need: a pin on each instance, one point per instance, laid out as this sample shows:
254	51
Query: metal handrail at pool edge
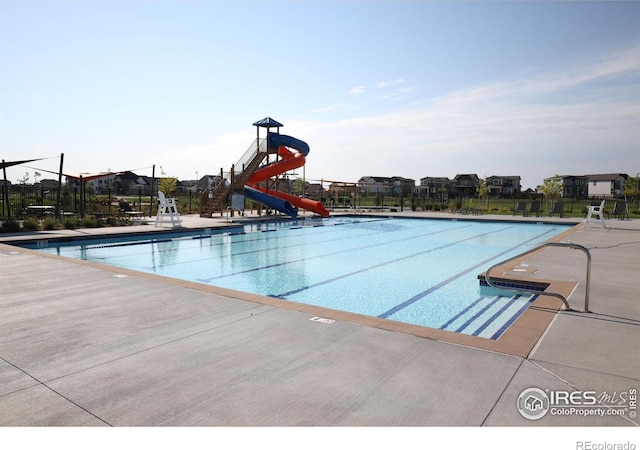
552	294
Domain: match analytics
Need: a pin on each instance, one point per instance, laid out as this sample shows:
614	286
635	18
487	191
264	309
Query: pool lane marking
261	238
92	244
462	312
348	250
478	315
216	244
497	314
385	263
424	293
513	318
275	249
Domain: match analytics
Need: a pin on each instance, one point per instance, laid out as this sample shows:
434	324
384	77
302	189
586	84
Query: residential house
435	188
369	185
606	185
129	183
208	181
189	186
594	185
503	186
389	186
340	189
314	190
465	185
403	187
97	184
47	183
573	186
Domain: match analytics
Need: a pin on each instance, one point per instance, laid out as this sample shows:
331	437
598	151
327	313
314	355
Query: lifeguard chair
167	209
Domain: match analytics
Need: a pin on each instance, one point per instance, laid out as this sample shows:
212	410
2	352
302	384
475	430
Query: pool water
417	271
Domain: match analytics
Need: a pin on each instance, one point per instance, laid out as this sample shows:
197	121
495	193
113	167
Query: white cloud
580	120
358	90
583	119
385	84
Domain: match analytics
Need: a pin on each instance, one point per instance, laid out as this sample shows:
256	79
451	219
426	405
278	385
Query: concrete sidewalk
87	345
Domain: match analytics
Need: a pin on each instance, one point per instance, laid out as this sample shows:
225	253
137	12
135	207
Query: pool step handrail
487	275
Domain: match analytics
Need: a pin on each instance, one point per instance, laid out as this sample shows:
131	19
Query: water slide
290	160
270	201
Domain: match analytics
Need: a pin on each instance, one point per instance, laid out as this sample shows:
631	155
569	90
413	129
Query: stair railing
487	275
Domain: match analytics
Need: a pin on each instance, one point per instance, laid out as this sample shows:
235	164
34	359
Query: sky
376	88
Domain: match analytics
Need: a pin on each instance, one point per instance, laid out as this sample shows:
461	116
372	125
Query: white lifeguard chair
167	209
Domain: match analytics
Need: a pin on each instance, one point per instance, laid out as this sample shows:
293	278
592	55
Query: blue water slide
271	202
275	141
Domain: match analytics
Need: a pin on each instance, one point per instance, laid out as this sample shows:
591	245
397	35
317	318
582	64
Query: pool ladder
487	277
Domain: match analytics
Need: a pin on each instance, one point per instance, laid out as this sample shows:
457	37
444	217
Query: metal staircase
215	196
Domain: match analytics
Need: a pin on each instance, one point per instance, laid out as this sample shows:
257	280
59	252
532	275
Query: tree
632	188
483	191
552	188
167	184
442	190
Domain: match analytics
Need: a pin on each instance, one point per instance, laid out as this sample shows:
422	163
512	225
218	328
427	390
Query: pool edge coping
519	339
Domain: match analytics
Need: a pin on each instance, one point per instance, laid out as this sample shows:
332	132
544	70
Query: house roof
376	179
606	176
514	177
473	176
468	175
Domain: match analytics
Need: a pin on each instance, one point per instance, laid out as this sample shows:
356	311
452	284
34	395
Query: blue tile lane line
348	250
422	294
489	321
258	236
461	313
392	261
513	318
478	314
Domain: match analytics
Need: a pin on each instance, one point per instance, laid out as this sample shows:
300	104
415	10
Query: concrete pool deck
89	345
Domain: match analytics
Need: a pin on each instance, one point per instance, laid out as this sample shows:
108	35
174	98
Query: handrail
552	294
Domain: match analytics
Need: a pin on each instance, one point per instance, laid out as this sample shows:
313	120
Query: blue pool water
417	271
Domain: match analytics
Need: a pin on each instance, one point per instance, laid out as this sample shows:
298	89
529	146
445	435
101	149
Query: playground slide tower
254	176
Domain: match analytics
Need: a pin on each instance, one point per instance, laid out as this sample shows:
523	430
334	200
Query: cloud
358	90
385	84
398	94
576	120
583	119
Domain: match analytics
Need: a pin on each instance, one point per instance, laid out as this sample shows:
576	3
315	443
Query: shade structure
267	122
4	164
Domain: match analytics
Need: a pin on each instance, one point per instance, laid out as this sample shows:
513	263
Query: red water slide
290	161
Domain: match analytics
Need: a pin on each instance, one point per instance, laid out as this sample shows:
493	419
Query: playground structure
250	178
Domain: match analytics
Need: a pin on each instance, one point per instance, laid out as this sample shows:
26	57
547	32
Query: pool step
489	317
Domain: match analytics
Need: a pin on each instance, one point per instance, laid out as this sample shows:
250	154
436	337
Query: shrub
30	224
50	223
70	223
10	226
89	222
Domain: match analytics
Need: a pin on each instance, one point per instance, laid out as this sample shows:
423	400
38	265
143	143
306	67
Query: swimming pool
417	271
